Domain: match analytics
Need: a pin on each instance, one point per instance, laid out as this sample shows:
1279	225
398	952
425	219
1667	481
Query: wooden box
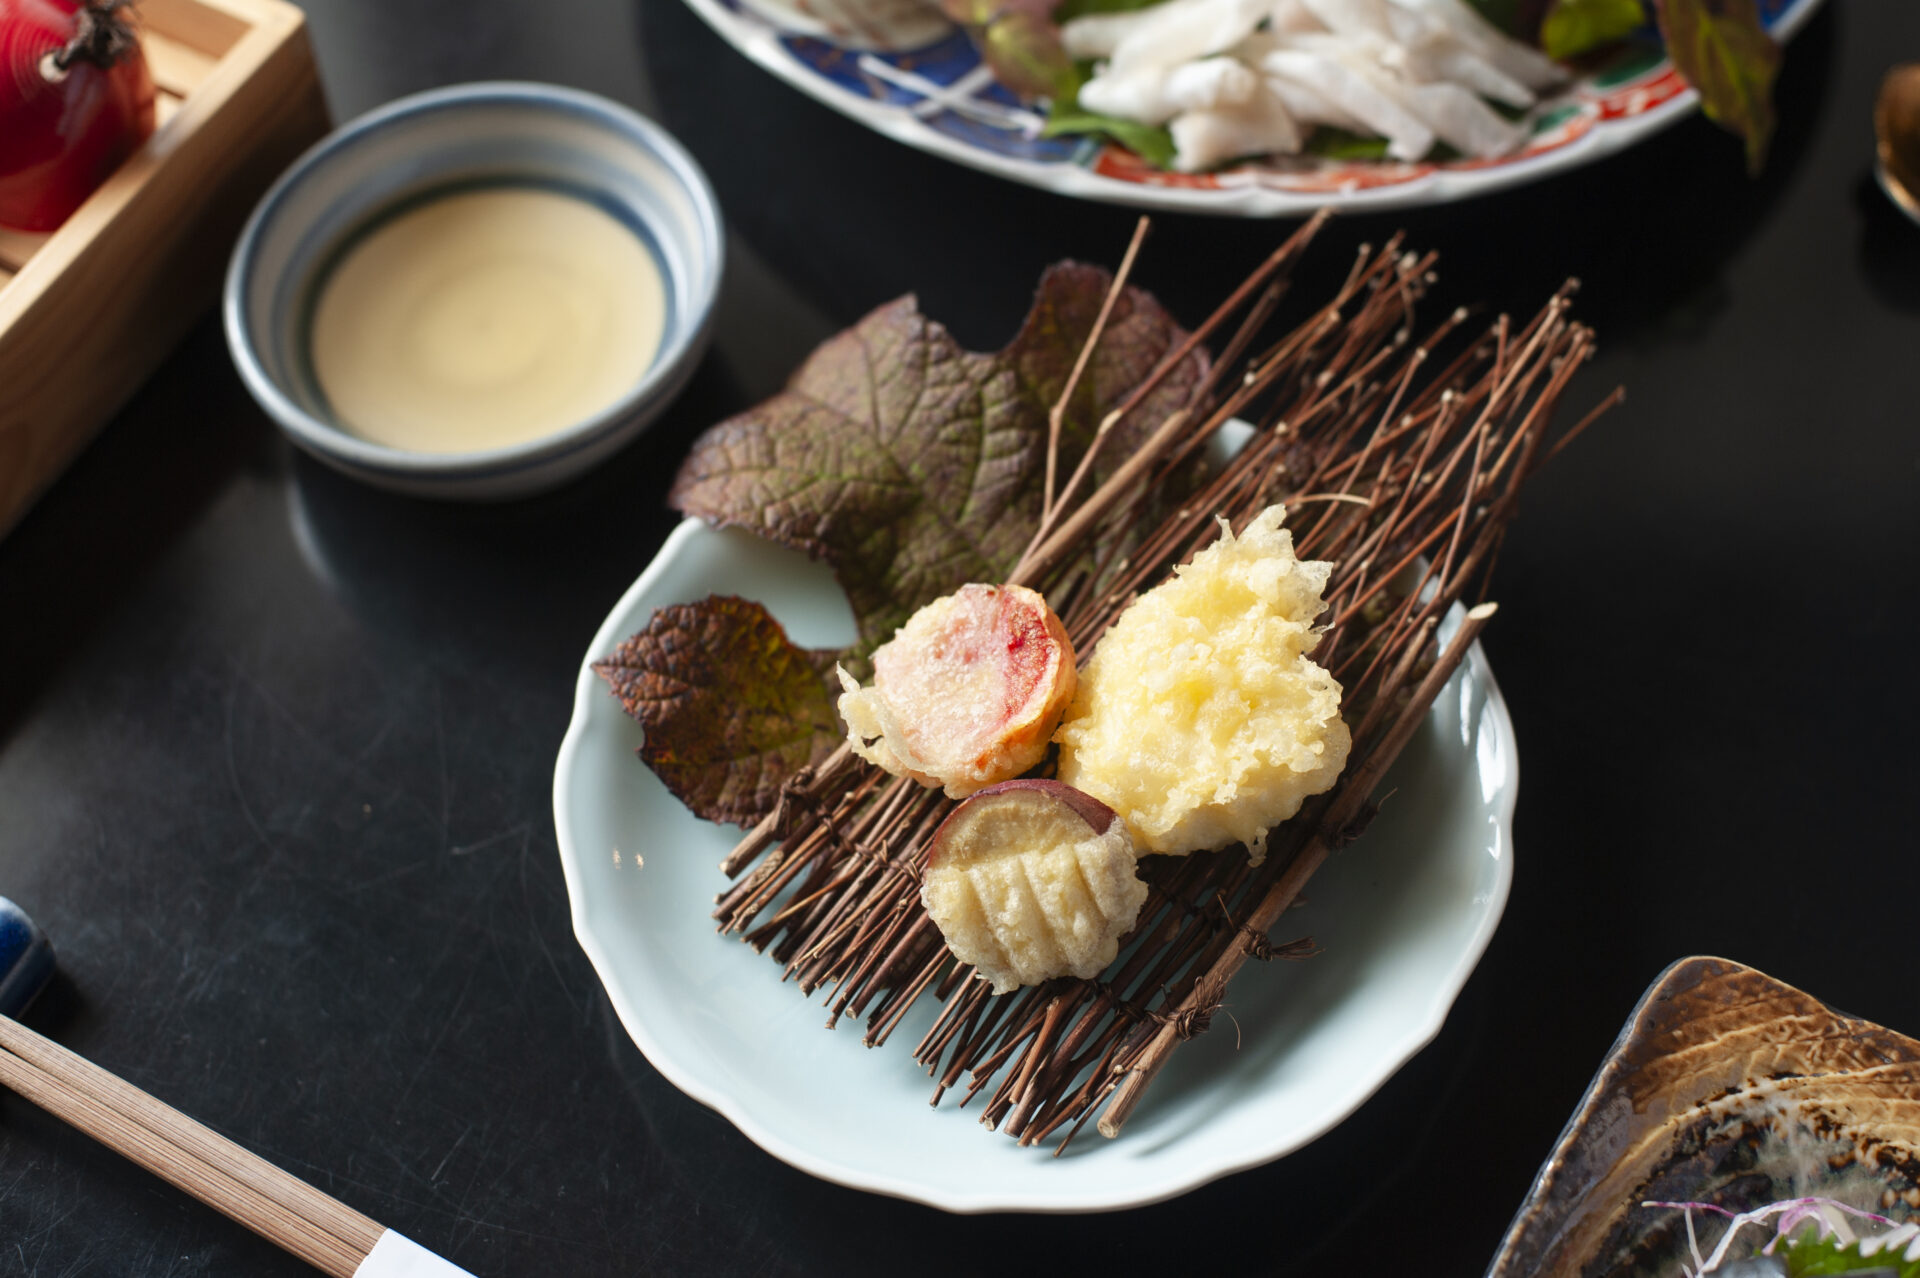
88	311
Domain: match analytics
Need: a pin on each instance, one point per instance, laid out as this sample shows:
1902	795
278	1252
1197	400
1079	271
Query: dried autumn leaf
913	466
731	706
1724	51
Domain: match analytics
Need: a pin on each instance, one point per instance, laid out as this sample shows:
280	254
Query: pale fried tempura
966	693
1023	887
1200	718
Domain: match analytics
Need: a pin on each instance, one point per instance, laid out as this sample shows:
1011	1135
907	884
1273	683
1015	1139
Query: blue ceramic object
26	959
460	137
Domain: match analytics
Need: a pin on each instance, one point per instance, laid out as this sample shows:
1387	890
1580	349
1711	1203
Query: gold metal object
1896	124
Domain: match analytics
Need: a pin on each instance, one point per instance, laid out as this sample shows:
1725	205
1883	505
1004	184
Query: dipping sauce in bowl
477	292
485	318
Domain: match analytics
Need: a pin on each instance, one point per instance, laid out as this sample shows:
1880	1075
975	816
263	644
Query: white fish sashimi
1462	120
1526	64
1356	94
1430	51
1260	126
1185	30
1241	77
1097	35
1452	63
1140	94
1452	113
1308	107
1352	18
1153	96
1211	83
1291	17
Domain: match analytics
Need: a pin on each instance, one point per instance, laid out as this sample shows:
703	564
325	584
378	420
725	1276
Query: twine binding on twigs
795	792
1350	833
1258	945
1189	1022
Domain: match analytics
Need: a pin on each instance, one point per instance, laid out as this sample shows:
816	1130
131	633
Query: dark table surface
275	749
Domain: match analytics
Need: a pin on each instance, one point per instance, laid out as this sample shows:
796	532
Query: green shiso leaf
1338	144
1151	142
1071	9
1574	27
1067	118
1809	1255
1507	15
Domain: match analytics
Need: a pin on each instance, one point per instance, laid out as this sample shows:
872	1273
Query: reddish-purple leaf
913	466
731	706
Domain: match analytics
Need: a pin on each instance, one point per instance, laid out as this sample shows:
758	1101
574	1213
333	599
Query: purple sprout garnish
1829	1216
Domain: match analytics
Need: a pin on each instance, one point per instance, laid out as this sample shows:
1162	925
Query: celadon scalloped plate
1403	915
937	98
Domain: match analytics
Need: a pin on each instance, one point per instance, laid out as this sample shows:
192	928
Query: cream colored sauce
484	319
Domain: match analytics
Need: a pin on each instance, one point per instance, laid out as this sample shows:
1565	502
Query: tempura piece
1031	879
966	693
1200	718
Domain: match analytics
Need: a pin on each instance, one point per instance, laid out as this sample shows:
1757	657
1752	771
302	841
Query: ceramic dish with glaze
938	97
467	136
1403	916
1725	1087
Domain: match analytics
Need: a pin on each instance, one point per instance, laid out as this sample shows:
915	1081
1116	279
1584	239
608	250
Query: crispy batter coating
1200	718
966	693
1026	887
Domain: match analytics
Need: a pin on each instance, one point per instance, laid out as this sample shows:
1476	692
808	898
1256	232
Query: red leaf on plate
913	466
730	704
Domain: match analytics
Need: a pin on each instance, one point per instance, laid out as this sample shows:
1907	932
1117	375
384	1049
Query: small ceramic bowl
459	137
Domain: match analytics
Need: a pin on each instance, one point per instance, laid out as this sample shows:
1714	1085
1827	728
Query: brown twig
1402	466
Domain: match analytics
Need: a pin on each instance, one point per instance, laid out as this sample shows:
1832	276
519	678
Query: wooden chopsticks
281	1208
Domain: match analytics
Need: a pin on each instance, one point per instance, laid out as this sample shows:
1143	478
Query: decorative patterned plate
1725	1087
1403	916
939	98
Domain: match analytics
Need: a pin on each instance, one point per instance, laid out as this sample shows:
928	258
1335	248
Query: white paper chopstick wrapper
398	1256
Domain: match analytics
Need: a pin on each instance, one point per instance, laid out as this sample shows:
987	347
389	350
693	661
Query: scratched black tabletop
276	749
